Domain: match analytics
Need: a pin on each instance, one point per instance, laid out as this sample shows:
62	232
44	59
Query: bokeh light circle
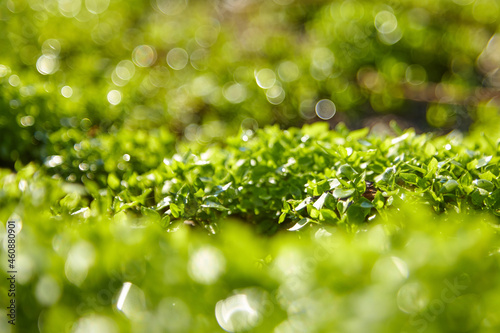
67	91
96	6
265	78
385	22
177	58
114	97
144	55
325	109
47	64
171	7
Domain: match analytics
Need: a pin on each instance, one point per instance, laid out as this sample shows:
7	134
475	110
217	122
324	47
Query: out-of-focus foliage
203	69
413	270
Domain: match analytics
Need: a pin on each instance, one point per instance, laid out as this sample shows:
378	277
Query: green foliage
278	179
206	69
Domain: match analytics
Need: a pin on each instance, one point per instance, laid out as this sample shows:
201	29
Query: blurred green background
204	69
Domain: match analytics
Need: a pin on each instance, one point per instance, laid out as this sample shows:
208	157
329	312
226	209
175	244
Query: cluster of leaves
232	66
289	178
123	152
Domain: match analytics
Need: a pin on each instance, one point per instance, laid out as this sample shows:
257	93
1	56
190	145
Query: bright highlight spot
412	298
27	121
95	324
69	8
47	290
114	97
386	22
67	91
96	6
325	109
47	64
206	265
53	161
125	70
131	301
80	258
14	80
51	47
234	92
265	78
4	70
177	58
235	314
171	7
275	95
416	74
144	55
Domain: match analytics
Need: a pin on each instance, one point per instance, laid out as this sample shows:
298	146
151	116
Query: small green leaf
212	204
299	225
466	179
488	175
151	213
342	206
313	212
478	196
410	178
431	168
416	168
365	203
176	211
483	161
165	221
484	184
334	183
346	171
286	207
113	181
321	201
356	213
379	200
341	193
303	204
387	176
328	215
449	186
200	193
70	201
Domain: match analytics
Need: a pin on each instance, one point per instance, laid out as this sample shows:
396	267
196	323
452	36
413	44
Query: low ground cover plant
289	178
